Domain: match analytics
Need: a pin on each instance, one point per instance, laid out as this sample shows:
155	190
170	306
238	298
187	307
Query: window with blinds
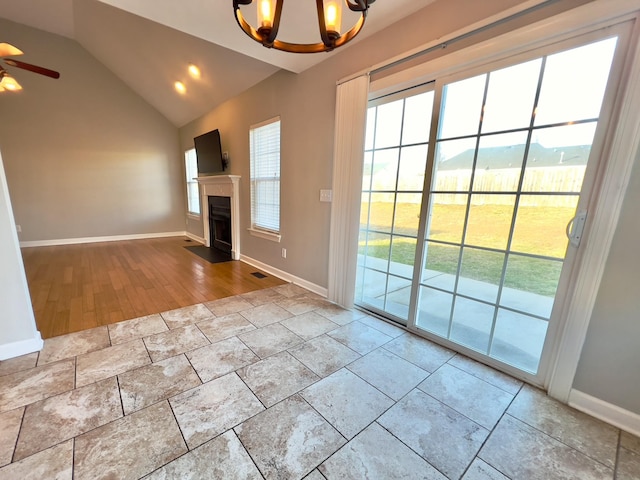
265	175
191	171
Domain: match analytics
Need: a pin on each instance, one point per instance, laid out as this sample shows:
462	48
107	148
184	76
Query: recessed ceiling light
180	88
194	71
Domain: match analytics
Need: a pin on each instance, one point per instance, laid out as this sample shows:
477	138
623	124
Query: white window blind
191	170
265	175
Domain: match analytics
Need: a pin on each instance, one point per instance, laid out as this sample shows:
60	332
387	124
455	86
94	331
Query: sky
572	89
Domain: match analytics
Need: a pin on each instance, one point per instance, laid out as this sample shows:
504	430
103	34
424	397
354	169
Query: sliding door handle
575	227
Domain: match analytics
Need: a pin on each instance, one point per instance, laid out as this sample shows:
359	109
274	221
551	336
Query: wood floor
77	287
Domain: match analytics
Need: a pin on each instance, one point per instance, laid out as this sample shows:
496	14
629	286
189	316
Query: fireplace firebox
226	186
220	223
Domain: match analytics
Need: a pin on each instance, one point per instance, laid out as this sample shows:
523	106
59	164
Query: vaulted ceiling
148	44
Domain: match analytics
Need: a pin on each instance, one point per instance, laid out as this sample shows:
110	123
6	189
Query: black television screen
209	153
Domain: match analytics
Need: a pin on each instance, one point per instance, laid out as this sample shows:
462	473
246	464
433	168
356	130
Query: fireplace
220	223
224	222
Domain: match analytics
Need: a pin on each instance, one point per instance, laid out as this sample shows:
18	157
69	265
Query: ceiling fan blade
6	49
32	68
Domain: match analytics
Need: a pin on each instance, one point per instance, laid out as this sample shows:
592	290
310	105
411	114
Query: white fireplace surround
222	186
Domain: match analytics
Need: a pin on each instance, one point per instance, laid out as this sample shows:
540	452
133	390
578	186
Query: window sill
193	216
274	237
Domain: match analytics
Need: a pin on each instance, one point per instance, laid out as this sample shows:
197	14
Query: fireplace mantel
222	186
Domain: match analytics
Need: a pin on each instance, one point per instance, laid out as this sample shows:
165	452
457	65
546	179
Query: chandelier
329	20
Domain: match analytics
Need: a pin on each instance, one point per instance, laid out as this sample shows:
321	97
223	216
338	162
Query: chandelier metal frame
330	40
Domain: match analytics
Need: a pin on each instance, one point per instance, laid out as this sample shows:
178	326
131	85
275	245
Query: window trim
264	234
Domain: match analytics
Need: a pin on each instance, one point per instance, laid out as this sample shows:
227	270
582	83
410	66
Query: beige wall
84	155
609	367
306	105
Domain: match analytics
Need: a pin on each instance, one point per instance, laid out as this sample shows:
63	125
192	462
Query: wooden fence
536	180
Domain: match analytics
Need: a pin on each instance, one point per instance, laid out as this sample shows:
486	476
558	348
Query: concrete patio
517	338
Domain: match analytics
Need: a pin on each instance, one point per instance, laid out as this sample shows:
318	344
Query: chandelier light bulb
265	14
333	16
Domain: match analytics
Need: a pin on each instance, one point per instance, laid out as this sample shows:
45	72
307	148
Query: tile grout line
181	434
489	436
482	379
412	362
410	448
346	440
252	393
617	459
562	442
75	372
15	443
73	458
375	420
251	350
233	429
120	395
194	368
439	401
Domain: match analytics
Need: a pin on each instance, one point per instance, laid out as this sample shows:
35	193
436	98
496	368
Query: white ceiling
149	43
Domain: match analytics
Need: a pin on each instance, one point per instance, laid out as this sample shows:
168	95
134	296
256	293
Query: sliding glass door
470	186
397	143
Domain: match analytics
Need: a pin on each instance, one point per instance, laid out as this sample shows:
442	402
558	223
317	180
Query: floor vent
259	275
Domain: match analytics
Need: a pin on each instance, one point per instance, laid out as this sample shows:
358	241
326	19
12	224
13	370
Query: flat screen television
209	153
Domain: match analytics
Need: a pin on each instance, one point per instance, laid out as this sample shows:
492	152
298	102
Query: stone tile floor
281	384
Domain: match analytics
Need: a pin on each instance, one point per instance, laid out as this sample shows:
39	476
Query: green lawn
539	230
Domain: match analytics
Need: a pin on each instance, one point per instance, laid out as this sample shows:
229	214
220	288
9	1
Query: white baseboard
113	238
194	237
322	291
15	349
607	412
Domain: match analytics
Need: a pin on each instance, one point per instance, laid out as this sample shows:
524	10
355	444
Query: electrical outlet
284	253
19	228
225	155
326	195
